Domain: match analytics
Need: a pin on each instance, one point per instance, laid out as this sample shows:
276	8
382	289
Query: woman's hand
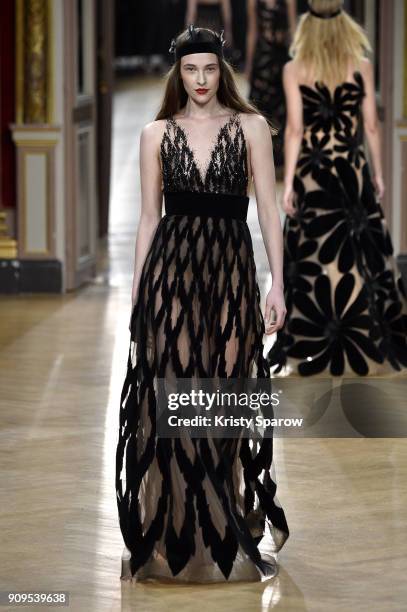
379	186
274	302
288	201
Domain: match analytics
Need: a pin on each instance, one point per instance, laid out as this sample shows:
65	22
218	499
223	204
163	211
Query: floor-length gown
346	304
194	509
271	53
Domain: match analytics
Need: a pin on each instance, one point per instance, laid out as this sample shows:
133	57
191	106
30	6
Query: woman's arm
371	125
190	14
151	198
251	36
293	134
261	158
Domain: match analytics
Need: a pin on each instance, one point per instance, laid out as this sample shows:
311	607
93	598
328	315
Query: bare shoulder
254	125
292	70
153	132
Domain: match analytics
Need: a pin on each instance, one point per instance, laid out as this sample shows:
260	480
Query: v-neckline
212	150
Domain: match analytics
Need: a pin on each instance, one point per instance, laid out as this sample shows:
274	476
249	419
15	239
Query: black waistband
194	203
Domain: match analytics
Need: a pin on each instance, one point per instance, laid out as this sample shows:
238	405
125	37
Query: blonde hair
326	47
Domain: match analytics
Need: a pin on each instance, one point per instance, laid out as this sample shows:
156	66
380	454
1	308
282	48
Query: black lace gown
346	304
191	509
271	53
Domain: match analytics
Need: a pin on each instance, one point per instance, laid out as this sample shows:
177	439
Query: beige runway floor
62	364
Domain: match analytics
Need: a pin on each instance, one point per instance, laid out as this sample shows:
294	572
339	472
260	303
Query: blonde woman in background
346	306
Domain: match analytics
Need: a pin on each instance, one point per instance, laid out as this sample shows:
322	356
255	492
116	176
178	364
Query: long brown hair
175	96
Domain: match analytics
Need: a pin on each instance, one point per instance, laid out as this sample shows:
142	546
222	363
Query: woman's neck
202	111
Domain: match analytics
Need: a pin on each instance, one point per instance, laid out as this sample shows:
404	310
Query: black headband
324	15
195	45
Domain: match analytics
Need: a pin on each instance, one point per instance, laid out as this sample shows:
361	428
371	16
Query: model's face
200	73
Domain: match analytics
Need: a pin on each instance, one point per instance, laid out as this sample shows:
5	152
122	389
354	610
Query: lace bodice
226	171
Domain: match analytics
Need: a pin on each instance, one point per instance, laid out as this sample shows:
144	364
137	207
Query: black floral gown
346	305
196	509
271	53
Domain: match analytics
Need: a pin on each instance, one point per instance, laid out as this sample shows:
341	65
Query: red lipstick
201	91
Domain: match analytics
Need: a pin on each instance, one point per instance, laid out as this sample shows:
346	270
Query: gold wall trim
8	246
35	62
46	144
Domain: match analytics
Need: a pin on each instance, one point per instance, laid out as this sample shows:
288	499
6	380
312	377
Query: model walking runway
346	305
195	509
